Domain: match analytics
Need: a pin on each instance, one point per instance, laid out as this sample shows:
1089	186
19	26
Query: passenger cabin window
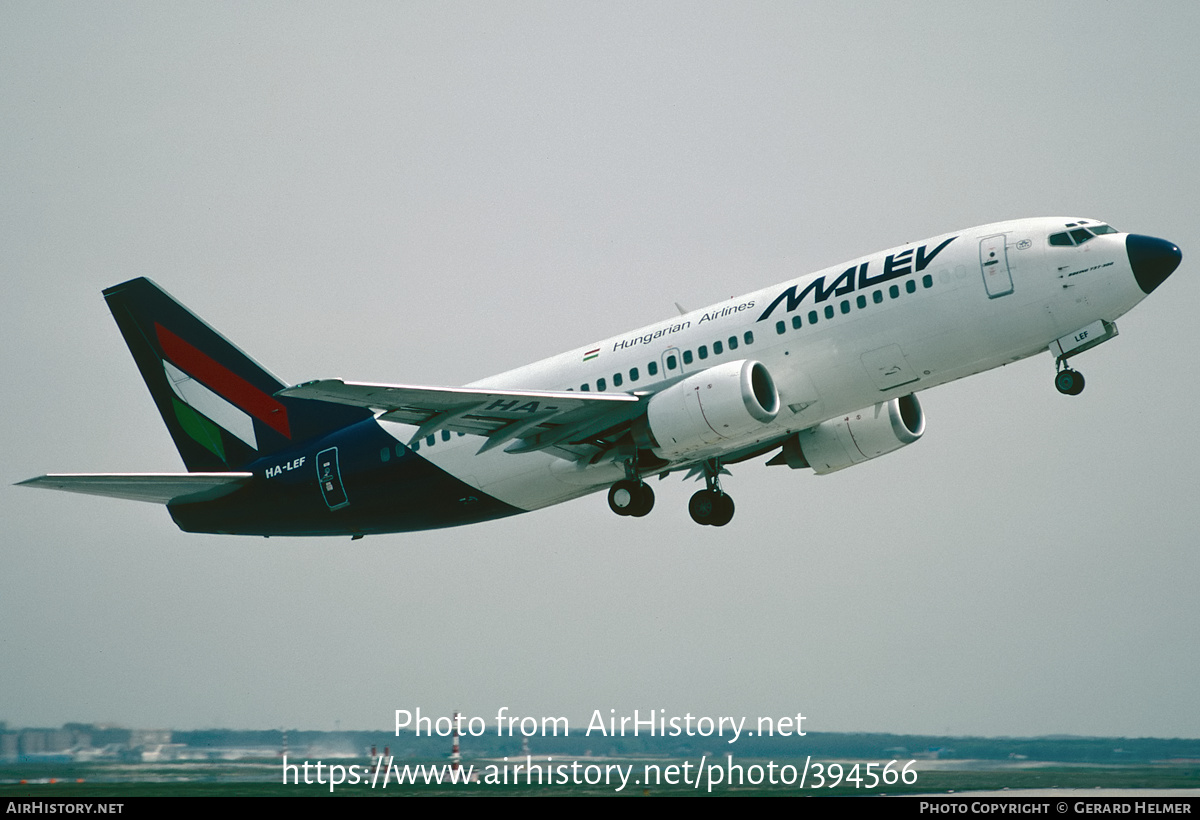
601	385
702	351
733	342
687	357
718	348
796	322
616	380
748	337
633	374
652	368
671	362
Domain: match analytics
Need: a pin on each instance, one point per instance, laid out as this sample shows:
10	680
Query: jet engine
857	437
726	402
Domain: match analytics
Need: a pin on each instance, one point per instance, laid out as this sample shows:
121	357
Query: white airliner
820	372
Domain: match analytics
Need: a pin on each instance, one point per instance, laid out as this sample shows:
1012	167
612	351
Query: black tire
623	497
1069	382
722	511
700	507
645	501
1078	388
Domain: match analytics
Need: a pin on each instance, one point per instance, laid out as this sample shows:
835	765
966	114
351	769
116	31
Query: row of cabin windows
718	348
672	363
861	301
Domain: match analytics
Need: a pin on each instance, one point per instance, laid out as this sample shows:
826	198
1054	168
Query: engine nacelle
839	443
724	403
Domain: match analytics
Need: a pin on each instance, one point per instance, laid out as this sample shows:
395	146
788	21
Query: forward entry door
993	260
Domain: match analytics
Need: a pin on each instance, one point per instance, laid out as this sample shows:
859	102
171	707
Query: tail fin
217	402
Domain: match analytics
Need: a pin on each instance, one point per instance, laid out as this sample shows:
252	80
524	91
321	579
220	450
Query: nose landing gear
1069	382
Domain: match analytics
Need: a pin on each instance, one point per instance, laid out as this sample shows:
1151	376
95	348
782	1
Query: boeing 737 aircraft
822	372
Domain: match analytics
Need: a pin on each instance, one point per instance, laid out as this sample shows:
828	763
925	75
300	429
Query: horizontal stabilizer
159	488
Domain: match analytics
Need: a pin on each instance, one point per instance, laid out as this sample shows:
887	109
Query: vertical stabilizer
217	402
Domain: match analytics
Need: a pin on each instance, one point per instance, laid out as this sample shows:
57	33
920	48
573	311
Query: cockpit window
1079	235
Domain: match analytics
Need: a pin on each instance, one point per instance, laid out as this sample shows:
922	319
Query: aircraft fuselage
827	351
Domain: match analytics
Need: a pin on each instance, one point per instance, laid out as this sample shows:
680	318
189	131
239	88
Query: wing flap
158	488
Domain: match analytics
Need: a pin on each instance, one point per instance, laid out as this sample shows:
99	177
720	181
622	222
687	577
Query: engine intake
724	403
839	443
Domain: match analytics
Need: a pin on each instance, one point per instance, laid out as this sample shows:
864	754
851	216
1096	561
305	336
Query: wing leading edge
530	419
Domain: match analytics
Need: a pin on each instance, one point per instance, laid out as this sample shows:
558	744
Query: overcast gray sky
431	193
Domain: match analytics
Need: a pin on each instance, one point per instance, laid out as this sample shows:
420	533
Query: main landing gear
631	497
1069	382
710	506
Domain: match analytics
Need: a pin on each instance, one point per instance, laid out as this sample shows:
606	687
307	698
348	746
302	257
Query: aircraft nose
1152	260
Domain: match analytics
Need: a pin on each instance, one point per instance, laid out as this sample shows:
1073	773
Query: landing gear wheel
1069	382
628	497
645	501
723	511
711	507
623	497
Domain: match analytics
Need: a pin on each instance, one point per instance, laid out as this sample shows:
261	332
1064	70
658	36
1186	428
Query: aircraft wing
567	423
159	488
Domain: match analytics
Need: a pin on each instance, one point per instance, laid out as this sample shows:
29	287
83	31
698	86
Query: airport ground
263	778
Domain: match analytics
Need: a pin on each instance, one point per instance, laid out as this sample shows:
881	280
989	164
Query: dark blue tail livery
218	403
